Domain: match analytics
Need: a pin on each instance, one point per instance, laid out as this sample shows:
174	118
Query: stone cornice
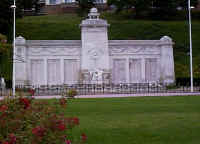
53	43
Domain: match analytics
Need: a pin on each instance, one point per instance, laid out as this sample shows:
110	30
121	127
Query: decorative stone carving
70	51
166	39
95	76
20	40
115	50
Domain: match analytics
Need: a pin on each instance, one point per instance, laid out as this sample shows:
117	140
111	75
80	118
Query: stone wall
59	62
139	61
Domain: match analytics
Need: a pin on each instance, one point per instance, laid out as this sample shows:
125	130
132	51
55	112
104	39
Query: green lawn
66	27
142	120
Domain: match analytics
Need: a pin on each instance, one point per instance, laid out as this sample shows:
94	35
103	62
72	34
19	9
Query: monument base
96	76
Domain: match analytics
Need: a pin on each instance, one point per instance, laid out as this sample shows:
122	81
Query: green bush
71	93
196	14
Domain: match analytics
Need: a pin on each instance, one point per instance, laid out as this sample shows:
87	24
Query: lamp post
190	35
13	76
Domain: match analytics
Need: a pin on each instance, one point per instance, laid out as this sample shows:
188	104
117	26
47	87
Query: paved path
122	95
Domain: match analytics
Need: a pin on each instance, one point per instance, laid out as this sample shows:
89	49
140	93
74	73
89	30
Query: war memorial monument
94	59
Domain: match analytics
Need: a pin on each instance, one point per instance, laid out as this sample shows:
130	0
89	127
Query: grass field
142	120
66	27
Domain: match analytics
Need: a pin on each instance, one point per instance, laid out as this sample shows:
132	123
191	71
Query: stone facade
94	58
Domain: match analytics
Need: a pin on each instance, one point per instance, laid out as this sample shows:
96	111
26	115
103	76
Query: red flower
63	102
75	121
67	142
3	108
26	102
32	92
83	137
61	126
4	41
5	142
12	139
38	131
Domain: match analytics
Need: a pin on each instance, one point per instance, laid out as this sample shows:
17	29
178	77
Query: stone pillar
127	71
94	53
143	70
21	76
62	71
167	60
47	2
45	71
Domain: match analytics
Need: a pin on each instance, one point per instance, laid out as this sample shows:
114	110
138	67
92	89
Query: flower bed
28	121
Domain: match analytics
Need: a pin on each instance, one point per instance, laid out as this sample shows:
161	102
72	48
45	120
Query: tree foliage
6	13
85	6
5	16
162	9
5	57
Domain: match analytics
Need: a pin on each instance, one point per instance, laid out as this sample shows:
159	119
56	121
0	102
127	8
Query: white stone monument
94	58
94	52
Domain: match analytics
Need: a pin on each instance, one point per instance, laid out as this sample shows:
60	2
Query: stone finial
20	40
93	13
93	10
166	39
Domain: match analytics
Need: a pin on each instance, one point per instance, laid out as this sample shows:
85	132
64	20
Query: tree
141	7
165	9
5	58
29	4
85	6
5	16
184	3
121	4
6	13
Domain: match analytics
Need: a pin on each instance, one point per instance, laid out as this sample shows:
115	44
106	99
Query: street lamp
190	35
13	76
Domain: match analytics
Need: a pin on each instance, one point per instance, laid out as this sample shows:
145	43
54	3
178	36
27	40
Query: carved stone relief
71	51
115	50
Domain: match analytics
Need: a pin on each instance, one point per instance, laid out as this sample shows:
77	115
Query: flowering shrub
29	121
71	93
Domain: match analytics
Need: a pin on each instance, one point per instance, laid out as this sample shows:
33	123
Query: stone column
45	71
62	71
167	60
21	76
143	70
127	71
47	2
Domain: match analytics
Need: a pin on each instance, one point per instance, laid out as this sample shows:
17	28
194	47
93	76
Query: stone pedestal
94	54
